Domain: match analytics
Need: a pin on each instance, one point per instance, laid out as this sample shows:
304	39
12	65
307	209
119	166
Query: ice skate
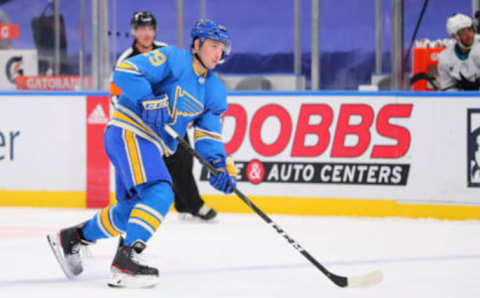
204	214
128	270
66	246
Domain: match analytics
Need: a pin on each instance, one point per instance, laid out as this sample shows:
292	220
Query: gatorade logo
97	116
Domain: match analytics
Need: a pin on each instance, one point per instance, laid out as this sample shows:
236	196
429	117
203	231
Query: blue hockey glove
155	111
225	180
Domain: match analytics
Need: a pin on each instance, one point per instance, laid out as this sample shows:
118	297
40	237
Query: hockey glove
466	84
225	180
155	111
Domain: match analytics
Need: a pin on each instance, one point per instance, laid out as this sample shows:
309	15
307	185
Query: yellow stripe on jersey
125	65
126	119
147	217
134	158
203	134
120	116
105	216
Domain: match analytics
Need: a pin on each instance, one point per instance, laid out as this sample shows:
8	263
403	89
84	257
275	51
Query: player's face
145	35
211	52
466	36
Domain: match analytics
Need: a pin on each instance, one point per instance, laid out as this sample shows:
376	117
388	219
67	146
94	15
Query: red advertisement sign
9	31
328	133
98	167
58	83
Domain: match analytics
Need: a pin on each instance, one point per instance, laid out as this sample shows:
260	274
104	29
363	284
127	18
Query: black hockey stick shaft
340	281
424	76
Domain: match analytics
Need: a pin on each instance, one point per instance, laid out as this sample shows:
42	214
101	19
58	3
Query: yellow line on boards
341	207
61	199
268	204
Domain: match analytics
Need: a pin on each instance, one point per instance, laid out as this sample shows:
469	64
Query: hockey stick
368	279
424	76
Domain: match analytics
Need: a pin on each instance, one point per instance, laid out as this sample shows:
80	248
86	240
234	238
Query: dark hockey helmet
142	18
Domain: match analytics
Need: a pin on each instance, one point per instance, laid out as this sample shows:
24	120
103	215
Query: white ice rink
241	256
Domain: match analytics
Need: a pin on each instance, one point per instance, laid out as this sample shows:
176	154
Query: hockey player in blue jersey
166	86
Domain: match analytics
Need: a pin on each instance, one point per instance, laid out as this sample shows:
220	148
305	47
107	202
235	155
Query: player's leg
67	243
145	218
109	222
152	184
187	197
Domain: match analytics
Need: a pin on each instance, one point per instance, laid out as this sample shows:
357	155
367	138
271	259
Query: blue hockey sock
110	221
149	212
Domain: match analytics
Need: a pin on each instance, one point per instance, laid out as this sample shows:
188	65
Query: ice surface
241	256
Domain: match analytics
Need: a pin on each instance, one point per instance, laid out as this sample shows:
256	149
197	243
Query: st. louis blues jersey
193	97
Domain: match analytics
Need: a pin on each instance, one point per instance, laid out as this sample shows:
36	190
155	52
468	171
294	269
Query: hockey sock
110	221
149	212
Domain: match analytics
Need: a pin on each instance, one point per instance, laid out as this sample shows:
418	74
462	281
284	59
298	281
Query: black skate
66	246
127	270
205	213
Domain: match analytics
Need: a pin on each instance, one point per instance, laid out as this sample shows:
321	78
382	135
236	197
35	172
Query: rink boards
322	153
51	149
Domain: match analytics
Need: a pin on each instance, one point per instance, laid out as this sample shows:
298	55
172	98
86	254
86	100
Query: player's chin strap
200	60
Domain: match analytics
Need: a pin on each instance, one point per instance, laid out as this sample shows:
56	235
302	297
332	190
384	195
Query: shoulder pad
177	59
216	94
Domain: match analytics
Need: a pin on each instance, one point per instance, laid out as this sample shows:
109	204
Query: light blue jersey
193	97
159	88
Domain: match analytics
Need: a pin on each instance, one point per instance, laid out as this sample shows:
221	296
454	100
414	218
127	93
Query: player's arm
208	140
115	92
445	80
208	127
135	76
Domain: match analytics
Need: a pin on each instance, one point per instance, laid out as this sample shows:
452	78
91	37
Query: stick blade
367	280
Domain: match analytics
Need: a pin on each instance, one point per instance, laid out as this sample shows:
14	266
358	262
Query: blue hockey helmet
208	29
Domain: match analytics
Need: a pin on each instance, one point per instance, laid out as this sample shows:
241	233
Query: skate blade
54	242
123	280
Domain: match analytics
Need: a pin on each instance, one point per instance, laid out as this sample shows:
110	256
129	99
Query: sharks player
166	86
459	63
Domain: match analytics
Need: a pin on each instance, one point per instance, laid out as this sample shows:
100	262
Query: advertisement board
404	148
51	149
324	153
14	63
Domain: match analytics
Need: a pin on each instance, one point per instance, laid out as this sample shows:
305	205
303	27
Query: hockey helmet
208	29
142	18
458	22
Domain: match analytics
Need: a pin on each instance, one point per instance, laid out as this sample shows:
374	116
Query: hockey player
164	86
459	63
187	199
